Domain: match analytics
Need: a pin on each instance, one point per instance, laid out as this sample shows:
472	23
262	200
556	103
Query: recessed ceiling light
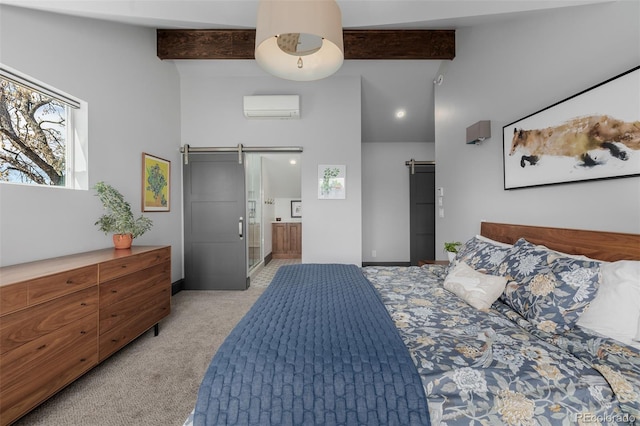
292	161
400	113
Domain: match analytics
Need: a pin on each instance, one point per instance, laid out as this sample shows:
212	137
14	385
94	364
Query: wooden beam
399	44
206	44
358	44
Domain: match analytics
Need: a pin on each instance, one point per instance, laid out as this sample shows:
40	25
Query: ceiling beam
358	44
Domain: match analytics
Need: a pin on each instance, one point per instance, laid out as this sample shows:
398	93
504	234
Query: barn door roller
413	163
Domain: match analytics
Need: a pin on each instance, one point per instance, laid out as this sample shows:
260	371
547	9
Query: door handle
240	222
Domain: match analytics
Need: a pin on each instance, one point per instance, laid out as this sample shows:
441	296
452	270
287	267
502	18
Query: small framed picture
156	178
296	208
332	182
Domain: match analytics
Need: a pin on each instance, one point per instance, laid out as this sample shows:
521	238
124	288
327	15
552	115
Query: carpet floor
154	380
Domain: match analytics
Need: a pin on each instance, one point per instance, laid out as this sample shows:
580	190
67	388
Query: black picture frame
592	135
296	208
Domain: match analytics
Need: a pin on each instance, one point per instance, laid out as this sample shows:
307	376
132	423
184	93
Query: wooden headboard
608	246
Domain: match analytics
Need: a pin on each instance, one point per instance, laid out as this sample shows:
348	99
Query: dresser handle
83	332
83	304
42	347
69	281
114	291
83	359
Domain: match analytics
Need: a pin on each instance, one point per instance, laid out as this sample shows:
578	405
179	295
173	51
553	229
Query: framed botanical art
594	134
156	181
332	182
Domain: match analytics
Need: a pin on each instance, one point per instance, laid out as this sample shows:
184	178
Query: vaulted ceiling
388	85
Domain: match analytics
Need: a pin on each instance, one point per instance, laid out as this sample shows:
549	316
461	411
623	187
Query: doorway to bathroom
274	201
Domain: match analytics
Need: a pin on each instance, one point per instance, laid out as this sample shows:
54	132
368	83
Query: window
40	129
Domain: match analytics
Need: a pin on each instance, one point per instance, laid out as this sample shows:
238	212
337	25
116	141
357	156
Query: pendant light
299	40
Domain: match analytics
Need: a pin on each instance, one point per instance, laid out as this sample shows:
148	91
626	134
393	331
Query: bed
519	329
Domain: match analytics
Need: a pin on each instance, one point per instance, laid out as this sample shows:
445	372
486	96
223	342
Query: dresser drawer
15	364
21	327
28	377
148	298
132	323
121	288
13	297
127	265
22	294
47	288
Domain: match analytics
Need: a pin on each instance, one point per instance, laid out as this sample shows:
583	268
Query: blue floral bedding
495	367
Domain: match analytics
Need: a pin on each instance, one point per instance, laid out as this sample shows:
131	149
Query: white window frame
77	119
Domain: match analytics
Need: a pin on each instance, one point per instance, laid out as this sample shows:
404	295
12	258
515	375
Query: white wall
385	198
329	132
504	72
282	210
133	108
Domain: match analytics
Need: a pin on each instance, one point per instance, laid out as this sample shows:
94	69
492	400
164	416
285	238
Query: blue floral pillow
547	288
481	254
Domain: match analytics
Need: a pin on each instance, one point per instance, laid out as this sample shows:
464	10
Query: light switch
441	212
441	192
440	201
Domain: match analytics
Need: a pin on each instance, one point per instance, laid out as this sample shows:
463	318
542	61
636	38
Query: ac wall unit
272	106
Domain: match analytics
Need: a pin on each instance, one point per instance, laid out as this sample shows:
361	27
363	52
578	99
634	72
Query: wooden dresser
60	317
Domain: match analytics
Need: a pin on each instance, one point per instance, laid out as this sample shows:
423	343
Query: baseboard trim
386	264
268	259
177	286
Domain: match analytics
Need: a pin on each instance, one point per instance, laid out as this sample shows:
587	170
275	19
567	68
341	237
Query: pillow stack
554	291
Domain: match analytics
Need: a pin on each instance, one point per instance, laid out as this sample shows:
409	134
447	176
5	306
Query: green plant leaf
118	217
452	247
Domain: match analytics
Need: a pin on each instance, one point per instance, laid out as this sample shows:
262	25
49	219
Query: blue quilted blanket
318	347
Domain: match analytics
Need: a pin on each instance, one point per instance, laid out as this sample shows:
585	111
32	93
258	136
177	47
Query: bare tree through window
33	132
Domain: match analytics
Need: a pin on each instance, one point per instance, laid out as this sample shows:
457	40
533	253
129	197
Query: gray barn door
214	223
422	197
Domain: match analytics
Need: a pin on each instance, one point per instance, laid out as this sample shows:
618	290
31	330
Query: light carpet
154	380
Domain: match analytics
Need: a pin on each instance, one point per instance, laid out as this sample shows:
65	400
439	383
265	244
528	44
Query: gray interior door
214	223
422	187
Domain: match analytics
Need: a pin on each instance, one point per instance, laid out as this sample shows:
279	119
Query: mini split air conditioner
272	106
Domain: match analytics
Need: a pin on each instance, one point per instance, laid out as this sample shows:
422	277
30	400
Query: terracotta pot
122	241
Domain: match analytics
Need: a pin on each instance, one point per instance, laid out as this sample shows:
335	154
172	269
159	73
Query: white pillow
615	311
489	240
477	289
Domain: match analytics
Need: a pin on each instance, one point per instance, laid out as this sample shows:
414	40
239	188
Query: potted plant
452	248
118	218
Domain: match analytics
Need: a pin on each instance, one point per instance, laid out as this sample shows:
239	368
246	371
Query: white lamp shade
321	18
